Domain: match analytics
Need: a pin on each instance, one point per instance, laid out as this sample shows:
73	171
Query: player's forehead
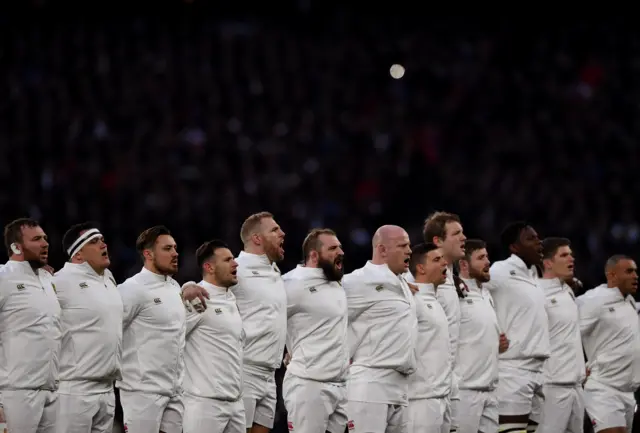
435	255
627	265
165	241
479	253
268	224
452	228
223	254
328	240
563	250
528	233
29	233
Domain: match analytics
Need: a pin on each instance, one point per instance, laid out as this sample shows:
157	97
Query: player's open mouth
486	269
407	260
234	273
444	272
338	263
105	254
570	267
281	246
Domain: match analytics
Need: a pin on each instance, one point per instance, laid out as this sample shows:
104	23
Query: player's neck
377	260
151	268
310	265
212	280
421	279
99	271
20	258
256	250
549	275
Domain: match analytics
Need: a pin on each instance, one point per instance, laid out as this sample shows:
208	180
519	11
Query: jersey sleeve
356	301
132	302
193	320
293	289
589	312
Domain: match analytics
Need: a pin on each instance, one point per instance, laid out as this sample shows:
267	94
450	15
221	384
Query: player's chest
619	320
223	317
35	297
163	307
324	301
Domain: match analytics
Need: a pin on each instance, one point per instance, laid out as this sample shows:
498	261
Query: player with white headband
92	314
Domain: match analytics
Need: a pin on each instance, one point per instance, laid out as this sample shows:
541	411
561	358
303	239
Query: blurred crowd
195	122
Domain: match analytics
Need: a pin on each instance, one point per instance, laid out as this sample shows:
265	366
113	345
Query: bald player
611	340
383	334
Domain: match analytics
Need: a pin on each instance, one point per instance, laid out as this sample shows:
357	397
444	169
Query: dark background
195	116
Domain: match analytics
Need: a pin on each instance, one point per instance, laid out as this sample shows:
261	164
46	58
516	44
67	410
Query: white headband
83	240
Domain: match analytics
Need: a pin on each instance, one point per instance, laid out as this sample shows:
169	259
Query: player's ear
438	241
147	254
15	249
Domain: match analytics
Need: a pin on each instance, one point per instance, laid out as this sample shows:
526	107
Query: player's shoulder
173	283
131	283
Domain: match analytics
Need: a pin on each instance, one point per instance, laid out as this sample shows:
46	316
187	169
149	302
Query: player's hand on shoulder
194	297
414	289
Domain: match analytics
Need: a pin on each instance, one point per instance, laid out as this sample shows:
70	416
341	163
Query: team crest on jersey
379	288
83	285
218	310
554	301
351	425
469	301
157	301
429	306
313	289
20	287
611	309
254	272
512	273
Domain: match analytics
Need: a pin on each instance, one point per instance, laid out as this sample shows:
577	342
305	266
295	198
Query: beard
34	260
330	271
165	270
273	253
479	276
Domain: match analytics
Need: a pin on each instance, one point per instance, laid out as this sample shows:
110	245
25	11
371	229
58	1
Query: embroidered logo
290	425
313	289
218	310
429	306
611	310
20	287
157	301
254	272
83	285
469	301
379	288
351	425
553	301
512	273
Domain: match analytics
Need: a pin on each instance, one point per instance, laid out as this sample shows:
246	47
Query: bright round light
397	71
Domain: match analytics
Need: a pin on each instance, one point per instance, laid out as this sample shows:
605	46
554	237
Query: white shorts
607	407
377	417
208	415
430	415
150	413
30	411
562	410
517	389
314	406
477	411
86	413
259	397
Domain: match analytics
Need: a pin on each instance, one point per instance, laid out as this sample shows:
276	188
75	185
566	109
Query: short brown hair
472	245
148	238
251	224
436	225
208	250
13	231
418	253
312	241
550	246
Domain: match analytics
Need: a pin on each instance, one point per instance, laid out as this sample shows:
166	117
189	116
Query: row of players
370	350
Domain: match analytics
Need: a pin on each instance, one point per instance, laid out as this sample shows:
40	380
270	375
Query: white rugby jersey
477	359
317	323
433	375
214	347
92	313
520	308
611	337
383	333
262	301
153	334
30	332
565	365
